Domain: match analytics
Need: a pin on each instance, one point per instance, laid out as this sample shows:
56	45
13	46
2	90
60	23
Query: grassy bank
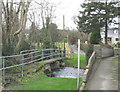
42	82
73	61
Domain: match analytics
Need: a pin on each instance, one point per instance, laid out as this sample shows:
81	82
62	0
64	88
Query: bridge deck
53	60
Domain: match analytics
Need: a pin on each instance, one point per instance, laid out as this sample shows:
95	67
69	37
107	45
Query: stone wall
107	51
117	51
103	51
52	64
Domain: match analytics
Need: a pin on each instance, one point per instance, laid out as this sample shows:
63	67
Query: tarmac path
105	76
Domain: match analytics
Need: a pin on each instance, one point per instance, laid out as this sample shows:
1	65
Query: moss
40	65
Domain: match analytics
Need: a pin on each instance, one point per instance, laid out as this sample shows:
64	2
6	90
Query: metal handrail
22	55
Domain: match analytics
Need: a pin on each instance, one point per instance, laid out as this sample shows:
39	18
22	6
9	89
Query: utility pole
63	22
64	30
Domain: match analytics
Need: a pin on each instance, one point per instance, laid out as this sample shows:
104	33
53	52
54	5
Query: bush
95	38
83	47
117	44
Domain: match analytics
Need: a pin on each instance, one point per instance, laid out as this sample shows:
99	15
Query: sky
68	8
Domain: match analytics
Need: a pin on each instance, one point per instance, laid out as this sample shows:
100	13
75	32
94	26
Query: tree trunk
106	26
106	31
0	28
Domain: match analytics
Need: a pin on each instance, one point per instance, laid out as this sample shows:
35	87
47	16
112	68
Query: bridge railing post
51	51
21	61
60	53
64	52
42	54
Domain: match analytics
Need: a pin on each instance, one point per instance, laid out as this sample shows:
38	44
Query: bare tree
14	22
0	28
47	14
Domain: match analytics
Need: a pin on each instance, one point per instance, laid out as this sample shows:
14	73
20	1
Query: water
67	72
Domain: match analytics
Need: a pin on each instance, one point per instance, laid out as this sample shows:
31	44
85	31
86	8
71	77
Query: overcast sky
69	8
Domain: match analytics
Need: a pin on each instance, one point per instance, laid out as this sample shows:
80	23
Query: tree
95	37
0	28
13	25
54	32
96	15
46	14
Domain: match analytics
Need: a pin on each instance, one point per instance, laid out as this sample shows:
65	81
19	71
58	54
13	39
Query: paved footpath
105	76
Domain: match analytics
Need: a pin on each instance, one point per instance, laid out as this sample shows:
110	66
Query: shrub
83	47
95	37
117	44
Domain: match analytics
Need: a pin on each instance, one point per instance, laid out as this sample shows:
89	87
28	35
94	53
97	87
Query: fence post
42	54
64	50
78	77
51	53
60	52
21	61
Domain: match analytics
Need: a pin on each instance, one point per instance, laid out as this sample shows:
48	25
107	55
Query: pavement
75	49
105	77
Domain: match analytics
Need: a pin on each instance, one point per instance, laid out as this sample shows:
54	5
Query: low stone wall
107	52
88	70
117	51
103	51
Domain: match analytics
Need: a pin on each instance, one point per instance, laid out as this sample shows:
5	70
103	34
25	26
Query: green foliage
95	37
47	44
89	51
117	44
96	15
24	46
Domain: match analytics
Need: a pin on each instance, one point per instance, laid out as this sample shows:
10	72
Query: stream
67	72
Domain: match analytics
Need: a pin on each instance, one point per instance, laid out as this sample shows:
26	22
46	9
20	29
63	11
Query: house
113	35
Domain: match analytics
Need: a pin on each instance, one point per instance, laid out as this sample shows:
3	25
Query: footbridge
52	58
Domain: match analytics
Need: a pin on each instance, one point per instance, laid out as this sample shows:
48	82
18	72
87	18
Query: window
101	39
116	39
115	31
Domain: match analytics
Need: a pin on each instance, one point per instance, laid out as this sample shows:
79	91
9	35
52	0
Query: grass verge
42	82
73	61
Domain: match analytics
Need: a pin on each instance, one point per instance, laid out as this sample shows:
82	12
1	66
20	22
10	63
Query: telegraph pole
63	22
64	30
